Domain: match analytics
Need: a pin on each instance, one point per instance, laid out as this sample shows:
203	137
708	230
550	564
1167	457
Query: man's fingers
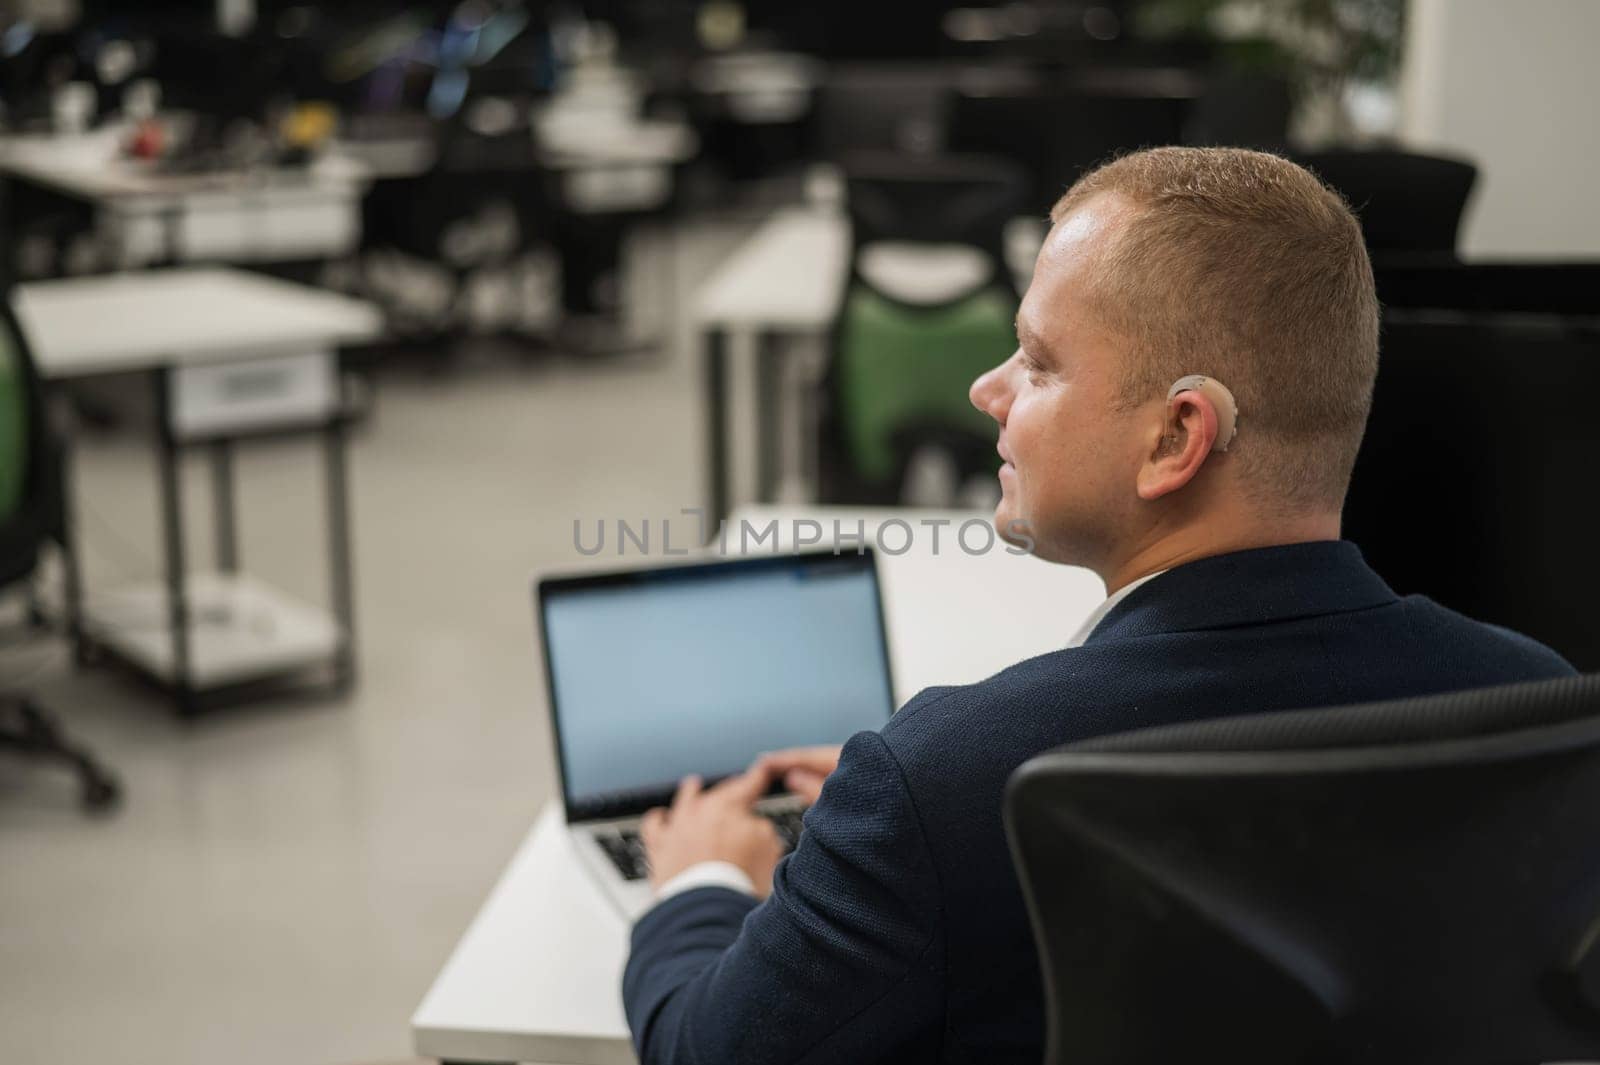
823	759
688	788
745	788
654	820
761	775
805	783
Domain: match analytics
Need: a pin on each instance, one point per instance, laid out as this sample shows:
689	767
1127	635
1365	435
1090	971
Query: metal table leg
716	384
172	532
339	553
71	574
222	503
768	352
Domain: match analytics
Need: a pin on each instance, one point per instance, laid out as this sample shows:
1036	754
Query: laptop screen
698	668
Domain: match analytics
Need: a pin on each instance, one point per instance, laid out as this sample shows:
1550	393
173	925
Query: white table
786	279
150	216
185	316
538	974
228	355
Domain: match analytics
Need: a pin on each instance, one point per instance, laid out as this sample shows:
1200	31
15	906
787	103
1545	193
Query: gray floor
284	881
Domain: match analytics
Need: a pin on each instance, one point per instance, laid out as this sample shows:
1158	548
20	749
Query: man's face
1071	457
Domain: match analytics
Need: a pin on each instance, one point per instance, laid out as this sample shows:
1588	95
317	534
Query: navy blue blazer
896	930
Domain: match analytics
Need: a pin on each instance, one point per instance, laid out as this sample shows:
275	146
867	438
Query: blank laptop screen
697	669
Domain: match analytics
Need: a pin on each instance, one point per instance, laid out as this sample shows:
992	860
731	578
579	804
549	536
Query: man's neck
1192	542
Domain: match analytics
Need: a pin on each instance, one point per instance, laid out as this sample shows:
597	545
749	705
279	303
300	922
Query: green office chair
33	513
902	361
902	373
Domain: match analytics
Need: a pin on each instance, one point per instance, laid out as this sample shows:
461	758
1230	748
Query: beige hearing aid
1221	399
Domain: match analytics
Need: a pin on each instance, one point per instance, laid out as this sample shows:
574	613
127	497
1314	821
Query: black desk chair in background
32	514
1412	881
1410	205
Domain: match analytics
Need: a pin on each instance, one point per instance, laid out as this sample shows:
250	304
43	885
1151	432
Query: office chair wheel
38	735
101	793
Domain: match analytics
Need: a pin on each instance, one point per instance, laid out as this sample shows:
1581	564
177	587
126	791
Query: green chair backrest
13	423
900	366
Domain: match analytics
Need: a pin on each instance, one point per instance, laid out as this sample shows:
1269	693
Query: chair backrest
947	199
1409	204
1407	881
1474	484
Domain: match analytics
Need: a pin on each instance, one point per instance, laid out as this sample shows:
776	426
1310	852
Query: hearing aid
1221	399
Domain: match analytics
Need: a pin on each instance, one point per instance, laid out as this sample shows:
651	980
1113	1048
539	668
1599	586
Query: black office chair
1474	484
33	513
1410	205
1413	881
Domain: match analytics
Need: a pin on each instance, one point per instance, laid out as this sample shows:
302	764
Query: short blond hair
1246	267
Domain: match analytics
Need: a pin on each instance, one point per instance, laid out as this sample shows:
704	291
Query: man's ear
1187	432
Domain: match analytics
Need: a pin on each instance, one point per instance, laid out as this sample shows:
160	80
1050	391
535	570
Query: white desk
149	216
786	279
186	316
537	977
227	354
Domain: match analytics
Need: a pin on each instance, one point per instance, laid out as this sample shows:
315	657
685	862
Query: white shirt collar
1093	621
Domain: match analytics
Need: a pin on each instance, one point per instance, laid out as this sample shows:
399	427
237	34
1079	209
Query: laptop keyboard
626	849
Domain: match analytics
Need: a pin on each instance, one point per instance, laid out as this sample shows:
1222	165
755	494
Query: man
896	930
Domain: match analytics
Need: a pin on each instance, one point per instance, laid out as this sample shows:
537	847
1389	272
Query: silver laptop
657	673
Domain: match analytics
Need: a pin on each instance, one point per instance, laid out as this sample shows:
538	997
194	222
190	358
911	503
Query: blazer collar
1249	588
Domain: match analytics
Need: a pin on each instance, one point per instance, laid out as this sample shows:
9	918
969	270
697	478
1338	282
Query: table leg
339	554
71	573
716	385
172	533
767	354
224	507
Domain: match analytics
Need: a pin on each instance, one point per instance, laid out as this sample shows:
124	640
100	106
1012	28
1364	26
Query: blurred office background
326	322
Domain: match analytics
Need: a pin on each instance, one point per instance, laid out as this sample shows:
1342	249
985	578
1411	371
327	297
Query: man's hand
802	769
719	824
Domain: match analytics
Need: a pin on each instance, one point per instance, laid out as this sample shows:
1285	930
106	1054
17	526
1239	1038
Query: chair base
30	731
